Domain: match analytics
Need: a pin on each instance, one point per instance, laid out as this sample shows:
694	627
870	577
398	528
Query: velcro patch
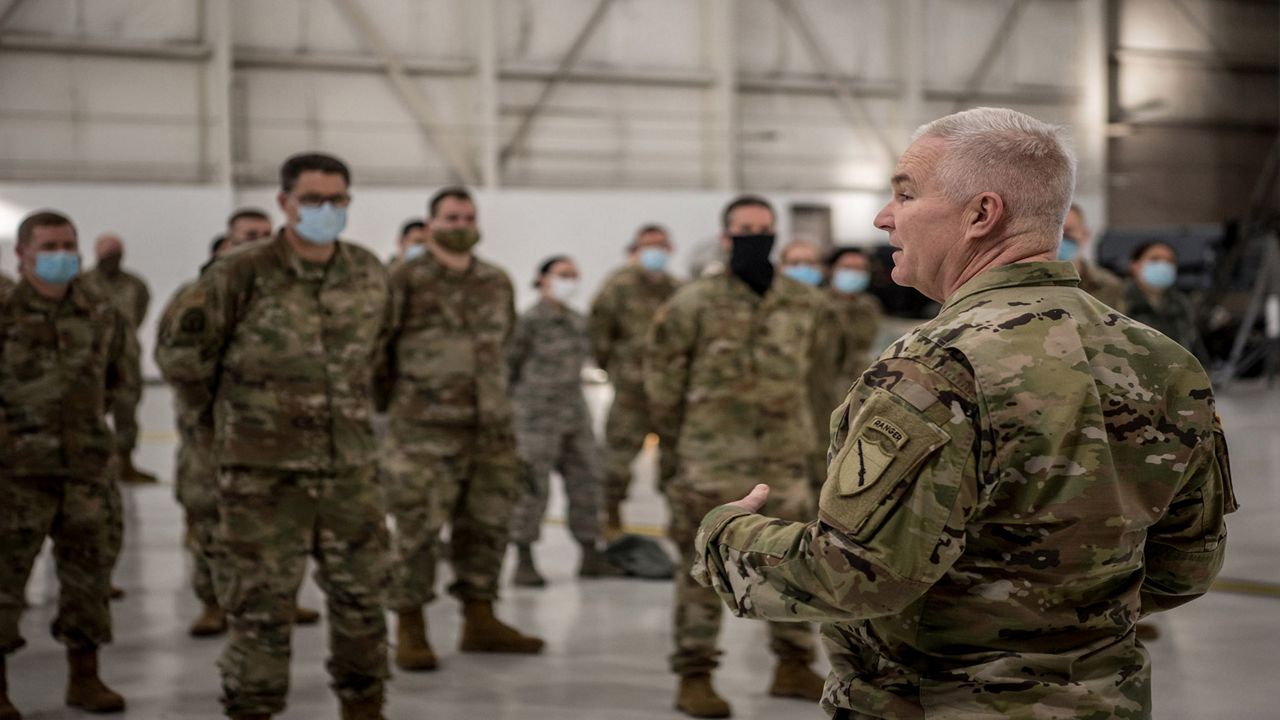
863	465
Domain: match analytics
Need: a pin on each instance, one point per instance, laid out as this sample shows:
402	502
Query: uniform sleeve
669	352
891	515
191	339
510	310
824	365
600	325
384	366
518	349
1185	549
120	362
143	302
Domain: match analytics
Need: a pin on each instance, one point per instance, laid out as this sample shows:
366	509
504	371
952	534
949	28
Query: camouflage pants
698	489
74	513
115	522
572	452
271	521
465	477
625	430
124	403
197	491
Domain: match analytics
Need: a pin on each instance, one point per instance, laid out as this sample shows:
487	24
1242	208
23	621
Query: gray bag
641	557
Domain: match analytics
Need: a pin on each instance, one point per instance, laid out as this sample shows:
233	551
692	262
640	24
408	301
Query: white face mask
563	289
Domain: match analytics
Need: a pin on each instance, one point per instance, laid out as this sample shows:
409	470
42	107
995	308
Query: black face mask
110	264
749	261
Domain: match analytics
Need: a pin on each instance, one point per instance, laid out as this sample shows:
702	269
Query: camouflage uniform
857	324
1101	283
196	474
283	350
451	454
60	362
130	296
619	323
727	374
1175	315
552	424
6	283
1013	485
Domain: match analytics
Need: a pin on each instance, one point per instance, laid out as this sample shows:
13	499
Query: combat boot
132	475
116	593
595	565
1147	631
213	621
527	574
7	710
85	690
413	652
482	632
252	716
362	709
696	698
795	680
305	616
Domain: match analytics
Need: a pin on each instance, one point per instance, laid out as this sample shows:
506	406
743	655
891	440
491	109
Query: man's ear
984	214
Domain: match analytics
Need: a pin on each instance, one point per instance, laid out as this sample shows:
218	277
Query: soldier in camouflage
1152	298
6	283
619	323
727	370
553	426
1012	485
129	294
451	454
62	347
196	472
1094	279
280	339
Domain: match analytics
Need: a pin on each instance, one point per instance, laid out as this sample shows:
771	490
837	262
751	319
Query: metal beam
566	65
486	78
454	150
994	46
853	106
721	141
189	52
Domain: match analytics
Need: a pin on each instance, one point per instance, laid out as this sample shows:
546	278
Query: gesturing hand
754	499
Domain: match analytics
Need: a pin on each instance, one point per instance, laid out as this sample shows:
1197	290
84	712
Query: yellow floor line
1248	587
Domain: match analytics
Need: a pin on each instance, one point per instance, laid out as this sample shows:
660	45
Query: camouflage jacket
860	316
193	422
284	350
126	291
60	361
446	359
1012	485
728	372
620	318
545	357
1102	284
6	283
1175	316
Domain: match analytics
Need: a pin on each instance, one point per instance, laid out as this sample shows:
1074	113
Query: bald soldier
1012	485
131	297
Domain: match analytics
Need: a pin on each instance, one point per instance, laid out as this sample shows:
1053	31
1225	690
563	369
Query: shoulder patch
895	435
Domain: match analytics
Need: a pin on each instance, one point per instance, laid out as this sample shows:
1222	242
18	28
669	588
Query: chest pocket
886	443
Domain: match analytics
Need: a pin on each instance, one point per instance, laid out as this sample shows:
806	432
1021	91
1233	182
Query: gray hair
1025	161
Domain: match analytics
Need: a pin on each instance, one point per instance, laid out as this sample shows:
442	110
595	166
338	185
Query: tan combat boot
305	616
413	652
696	698
362	709
482	632
613	522
213	621
85	690
1148	631
132	475
795	680
527	574
7	710
595	565
252	716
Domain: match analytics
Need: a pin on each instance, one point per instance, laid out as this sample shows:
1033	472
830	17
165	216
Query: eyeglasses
339	201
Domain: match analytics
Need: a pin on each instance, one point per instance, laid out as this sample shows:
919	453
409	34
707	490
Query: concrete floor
608	640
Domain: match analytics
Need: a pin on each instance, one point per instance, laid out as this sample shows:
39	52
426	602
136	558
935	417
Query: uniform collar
24	295
335	270
1055	272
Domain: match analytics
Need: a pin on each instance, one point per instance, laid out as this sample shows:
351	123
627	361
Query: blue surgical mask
849	281
807	274
1159	274
654	259
414	251
57	268
1068	250
320	224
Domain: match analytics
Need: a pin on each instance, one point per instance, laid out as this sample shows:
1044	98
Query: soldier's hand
754	499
